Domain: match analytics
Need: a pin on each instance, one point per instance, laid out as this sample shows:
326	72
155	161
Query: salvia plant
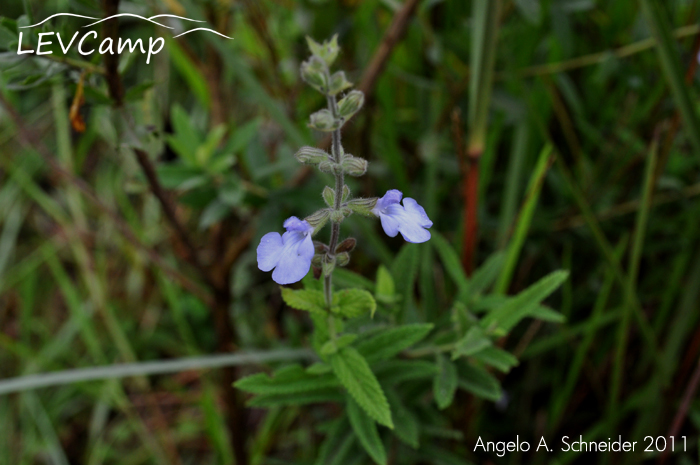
393	375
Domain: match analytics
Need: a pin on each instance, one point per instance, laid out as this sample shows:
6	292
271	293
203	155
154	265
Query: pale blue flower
290	254
408	219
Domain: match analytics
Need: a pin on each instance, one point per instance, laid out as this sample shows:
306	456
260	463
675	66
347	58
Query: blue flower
290	254
408	219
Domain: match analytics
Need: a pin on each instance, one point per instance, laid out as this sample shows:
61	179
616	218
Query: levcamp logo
86	45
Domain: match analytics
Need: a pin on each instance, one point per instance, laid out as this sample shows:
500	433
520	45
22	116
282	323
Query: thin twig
682	412
169	210
110	29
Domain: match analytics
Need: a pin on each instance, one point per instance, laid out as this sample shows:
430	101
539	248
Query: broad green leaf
472	342
385	290
366	431
497	358
346	278
479	382
406	426
352	303
136	92
186	138
215	212
444	382
242	136
174	176
287	380
354	373
520	306
305	299
319	368
389	342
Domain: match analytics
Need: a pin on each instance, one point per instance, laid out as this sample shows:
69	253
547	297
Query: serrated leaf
479	382
444	382
366	432
406	426
385	290
352	303
354	373
287	380
497	358
309	300
520	306
473	341
389	342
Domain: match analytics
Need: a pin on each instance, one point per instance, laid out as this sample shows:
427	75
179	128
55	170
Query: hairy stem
336	151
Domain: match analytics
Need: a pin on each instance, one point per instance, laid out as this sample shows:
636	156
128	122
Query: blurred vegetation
588	161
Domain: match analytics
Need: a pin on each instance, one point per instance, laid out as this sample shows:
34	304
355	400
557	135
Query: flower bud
319	219
346	246
354	166
346	194
323	120
350	104
328	264
311	155
329	196
313	72
338	83
327	51
362	206
342	259
320	247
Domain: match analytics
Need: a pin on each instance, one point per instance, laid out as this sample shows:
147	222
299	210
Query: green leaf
337	445
392	341
449	259
305	299
196	83
215	212
354	373
472	342
406	426
444	382
136	92
206	150
483	277
385	290
366	432
497	358
321	396
397	371
520	306
242	136
547	314
186	138
287	380
479	382
335	345
319	368
352	303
